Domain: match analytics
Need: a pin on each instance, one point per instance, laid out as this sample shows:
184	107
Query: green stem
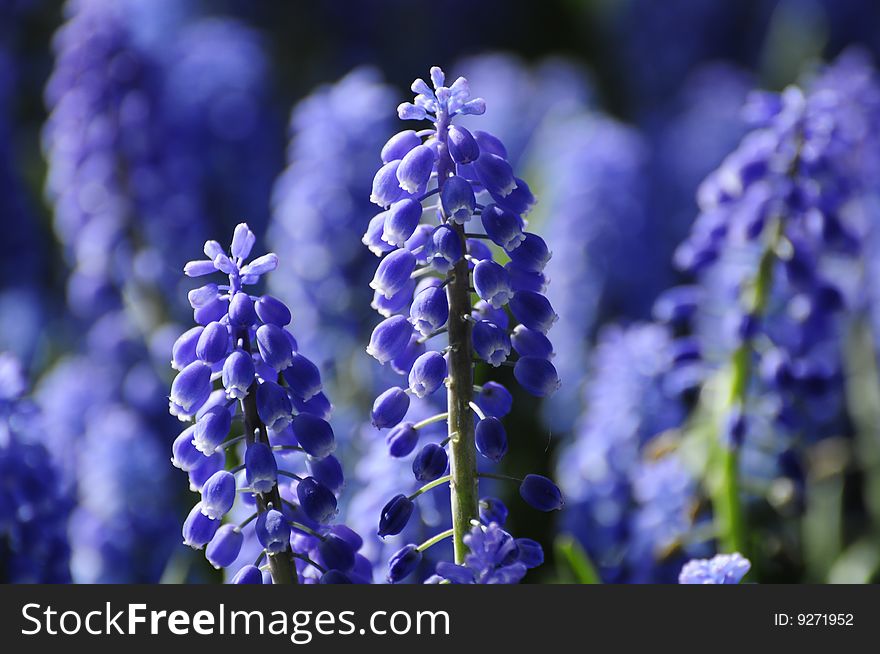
437	482
460	388
430	421
281	564
727	500
435	539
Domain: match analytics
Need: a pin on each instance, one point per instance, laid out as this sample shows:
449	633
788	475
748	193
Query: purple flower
720	569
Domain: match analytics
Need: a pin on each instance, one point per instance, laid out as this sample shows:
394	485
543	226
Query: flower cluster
631	500
242	340
594	198
431	266
720	569
34	506
777	251
318	201
122	528
494	557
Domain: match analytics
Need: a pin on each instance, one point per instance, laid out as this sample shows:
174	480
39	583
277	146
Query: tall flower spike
273	393
477	190
775	247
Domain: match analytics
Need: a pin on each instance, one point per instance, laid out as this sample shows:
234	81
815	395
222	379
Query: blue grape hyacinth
273	393
457	265
777	250
631	500
34	503
720	569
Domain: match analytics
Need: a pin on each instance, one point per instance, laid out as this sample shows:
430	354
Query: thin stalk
435	539
282	567
430	421
462	450
727	500
433	484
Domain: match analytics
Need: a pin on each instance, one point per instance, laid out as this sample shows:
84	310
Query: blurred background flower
133	130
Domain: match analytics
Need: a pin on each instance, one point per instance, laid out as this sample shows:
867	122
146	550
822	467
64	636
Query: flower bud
529	552
444	249
210	312
403	362
530	343
399	145
225	547
238	374
274	346
397	303
213	343
184	454
211	429
273	405
495	174
389	338
525	280
373	236
249	574
427	374
336	553
402	440
261	469
218	494
243	240
394	272
537	376
492	510
273	531
402	219
491	439
241	310
430	463
491	343
492	283
532	254
390	408
316	500
395	514
458	200
502	226
429	310
462	145
314	435
415	168
198	529
533	310
199	474
328	471
190	389
541	493
273	311
183	352
386	188
490	143
519	201
403	563
303	377
484	311
495	400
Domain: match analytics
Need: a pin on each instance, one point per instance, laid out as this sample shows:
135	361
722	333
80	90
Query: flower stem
727	500
462	449
435	539
282	566
430	421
